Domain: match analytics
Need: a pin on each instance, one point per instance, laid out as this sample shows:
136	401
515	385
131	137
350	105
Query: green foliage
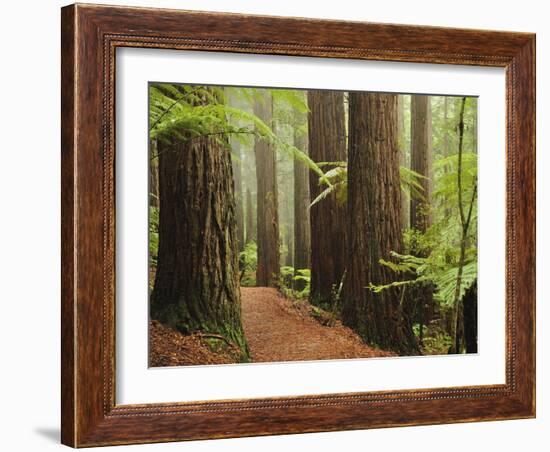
411	182
288	277
153	240
182	111
446	283
293	99
186	112
435	340
338	182
445	116
445	193
431	269
441	242
248	263
304	275
338	178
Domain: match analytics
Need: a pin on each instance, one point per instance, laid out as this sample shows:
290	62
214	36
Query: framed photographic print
281	225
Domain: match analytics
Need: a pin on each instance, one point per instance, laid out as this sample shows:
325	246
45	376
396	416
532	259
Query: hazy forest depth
309	224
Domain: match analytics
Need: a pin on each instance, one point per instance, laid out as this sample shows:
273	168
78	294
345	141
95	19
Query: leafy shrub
302	276
294	283
153	242
248	263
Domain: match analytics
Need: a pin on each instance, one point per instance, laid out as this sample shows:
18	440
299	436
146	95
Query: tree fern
180	113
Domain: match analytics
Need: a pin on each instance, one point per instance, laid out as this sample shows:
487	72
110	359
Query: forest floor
276	329
168	347
281	329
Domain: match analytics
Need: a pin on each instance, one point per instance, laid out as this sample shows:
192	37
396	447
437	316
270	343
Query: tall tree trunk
405	210
250	230
420	217
327	143
457	326
289	258
374	224
268	269
237	176
446	147
470	318
196	284
302	241
153	176
421	159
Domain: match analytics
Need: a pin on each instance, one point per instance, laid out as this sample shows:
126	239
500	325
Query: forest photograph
303	225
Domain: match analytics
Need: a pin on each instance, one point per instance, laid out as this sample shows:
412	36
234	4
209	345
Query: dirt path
277	331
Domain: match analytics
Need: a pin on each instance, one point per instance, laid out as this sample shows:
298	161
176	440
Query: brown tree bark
446	146
403	161
421	159
153	175
196	284
374	224
420	301
289	258
250	230
237	177
470	319
302	240
327	143
268	269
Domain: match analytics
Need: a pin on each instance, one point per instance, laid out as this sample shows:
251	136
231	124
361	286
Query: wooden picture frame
90	36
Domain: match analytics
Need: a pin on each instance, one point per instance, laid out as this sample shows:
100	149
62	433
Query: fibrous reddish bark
196	283
250	230
327	143
268	268
374	224
302	232
420	300
239	207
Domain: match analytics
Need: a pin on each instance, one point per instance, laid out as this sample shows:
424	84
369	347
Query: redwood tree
250	230
421	159
470	319
327	143
374	224
420	298
302	242
302	233
196	282
403	160
267	222
239	202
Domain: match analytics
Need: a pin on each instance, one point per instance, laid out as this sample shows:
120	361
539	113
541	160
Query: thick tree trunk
237	176
405	204
421	159
470	319
302	241
289	258
268	269
196	284
421	297
302	224
153	176
250	230
327	143
374	224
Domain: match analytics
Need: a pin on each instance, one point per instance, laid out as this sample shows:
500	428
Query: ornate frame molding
90	36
